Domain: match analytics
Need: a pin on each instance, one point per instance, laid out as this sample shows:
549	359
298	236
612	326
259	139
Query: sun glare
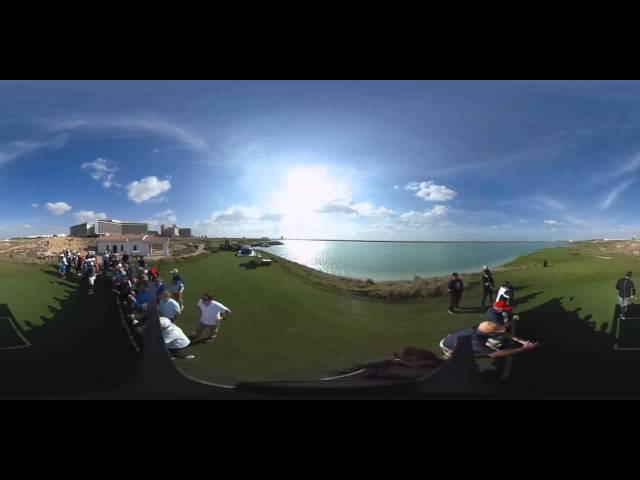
306	190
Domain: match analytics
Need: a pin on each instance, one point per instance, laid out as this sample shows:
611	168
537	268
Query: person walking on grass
212	313
455	288
91	272
177	286
168	307
487	286
626	291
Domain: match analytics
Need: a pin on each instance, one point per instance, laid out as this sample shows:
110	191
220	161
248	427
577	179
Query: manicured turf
284	328
77	341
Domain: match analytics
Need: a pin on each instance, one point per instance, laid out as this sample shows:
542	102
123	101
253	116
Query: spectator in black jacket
455	288
487	285
626	291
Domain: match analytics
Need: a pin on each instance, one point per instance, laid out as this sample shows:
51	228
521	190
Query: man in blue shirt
168	307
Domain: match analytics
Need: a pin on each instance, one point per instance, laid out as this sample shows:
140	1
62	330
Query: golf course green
284	327
55	338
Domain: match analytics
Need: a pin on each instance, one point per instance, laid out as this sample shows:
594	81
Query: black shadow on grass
522	300
520	287
470	310
80	347
249	265
574	357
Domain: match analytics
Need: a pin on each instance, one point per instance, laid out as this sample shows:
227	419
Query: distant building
134	245
155	233
184	232
169	231
116	227
82	230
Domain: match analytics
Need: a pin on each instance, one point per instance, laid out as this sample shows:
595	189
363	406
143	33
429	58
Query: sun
306	189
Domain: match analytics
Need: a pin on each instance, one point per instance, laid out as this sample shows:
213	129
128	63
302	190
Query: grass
287	324
77	341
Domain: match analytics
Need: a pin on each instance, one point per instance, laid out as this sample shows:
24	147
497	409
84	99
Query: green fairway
285	328
76	342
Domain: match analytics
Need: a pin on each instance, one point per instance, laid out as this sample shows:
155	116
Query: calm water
401	261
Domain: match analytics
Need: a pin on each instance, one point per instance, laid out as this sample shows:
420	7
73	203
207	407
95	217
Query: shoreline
472	270
420	288
422	241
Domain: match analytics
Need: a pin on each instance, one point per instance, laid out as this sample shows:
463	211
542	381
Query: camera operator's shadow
573	356
79	346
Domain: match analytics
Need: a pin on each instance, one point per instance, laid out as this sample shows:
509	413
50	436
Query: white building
134	245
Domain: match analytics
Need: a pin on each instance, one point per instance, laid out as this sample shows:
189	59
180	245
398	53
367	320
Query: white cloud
553	222
26	226
613	194
168	217
84	216
35	205
427	216
430	192
150	125
545	201
13	150
364	209
102	169
522	221
58	208
145	189
396	187
241	213
631	165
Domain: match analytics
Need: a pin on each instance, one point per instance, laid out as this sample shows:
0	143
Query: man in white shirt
211	314
175	339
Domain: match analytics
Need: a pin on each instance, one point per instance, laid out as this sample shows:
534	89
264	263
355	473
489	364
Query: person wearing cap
626	291
91	272
506	293
487	285
487	339
168	307
455	288
177	286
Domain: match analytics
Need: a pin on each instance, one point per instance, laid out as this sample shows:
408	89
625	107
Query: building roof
132	238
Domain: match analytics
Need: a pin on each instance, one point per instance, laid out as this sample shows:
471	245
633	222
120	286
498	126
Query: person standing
455	288
626	291
168	307
211	314
177	286
487	285
62	265
506	293
91	272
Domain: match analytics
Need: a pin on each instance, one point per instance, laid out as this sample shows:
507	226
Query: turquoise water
401	261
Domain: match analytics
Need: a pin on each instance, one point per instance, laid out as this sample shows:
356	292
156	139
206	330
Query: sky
371	160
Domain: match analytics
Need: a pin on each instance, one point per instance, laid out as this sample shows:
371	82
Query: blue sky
441	160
